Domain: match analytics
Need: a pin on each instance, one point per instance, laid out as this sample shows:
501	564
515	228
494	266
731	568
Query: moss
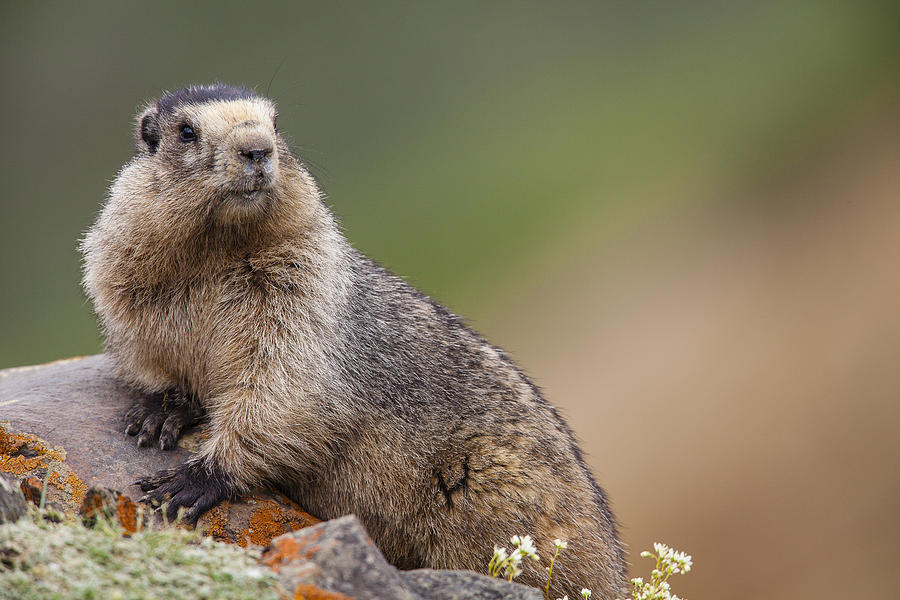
68	560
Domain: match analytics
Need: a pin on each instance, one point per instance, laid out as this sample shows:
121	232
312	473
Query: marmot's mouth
243	195
253	195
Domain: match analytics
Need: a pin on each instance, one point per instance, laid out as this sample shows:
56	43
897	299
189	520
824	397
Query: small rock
113	505
337	557
337	560
12	502
32	489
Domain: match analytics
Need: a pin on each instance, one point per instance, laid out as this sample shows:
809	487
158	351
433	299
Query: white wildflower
684	561
561	544
525	545
668	562
585	593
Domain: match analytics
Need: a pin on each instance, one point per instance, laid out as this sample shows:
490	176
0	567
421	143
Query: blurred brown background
683	219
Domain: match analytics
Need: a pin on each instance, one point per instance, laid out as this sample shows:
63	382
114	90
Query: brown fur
319	371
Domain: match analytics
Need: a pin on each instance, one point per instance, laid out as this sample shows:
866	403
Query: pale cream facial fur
214	169
227	129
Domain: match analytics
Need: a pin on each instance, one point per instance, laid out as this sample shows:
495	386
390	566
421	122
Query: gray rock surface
464	585
78	405
64	423
12	502
337	557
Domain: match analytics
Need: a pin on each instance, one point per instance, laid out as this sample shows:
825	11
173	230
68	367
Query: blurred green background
543	169
457	142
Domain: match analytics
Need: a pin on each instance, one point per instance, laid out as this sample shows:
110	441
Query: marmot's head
215	147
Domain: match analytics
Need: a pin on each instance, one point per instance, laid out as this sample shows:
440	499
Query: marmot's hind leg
162	416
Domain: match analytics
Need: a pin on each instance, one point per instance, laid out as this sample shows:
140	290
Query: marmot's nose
256	154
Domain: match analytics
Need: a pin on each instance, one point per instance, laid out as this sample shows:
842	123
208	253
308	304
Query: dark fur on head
319	371
200	94
169	102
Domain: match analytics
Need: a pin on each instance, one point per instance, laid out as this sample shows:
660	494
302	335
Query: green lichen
45	560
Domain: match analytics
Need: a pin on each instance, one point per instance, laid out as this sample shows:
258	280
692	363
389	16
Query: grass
45	560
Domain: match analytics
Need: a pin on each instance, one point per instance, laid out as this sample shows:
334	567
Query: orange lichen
19	465
9	443
77	487
40	459
13	462
272	519
288	549
126	511
307	591
217	521
284	550
72	484
266	522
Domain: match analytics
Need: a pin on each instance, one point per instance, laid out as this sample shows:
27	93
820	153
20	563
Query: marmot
224	285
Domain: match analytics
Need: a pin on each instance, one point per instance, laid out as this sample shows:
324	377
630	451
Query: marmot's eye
186	133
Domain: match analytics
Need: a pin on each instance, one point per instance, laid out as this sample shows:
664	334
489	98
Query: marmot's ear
148	130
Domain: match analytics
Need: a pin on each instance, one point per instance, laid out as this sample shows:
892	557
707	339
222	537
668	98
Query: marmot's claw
173	426
134	418
155	481
191	487
162	417
150	429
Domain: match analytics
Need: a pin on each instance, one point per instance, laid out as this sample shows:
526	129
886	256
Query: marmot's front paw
163	416
191	486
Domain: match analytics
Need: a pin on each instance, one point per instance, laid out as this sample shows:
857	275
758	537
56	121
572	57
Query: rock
12	502
336	556
67	419
465	585
337	560
32	490
114	505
